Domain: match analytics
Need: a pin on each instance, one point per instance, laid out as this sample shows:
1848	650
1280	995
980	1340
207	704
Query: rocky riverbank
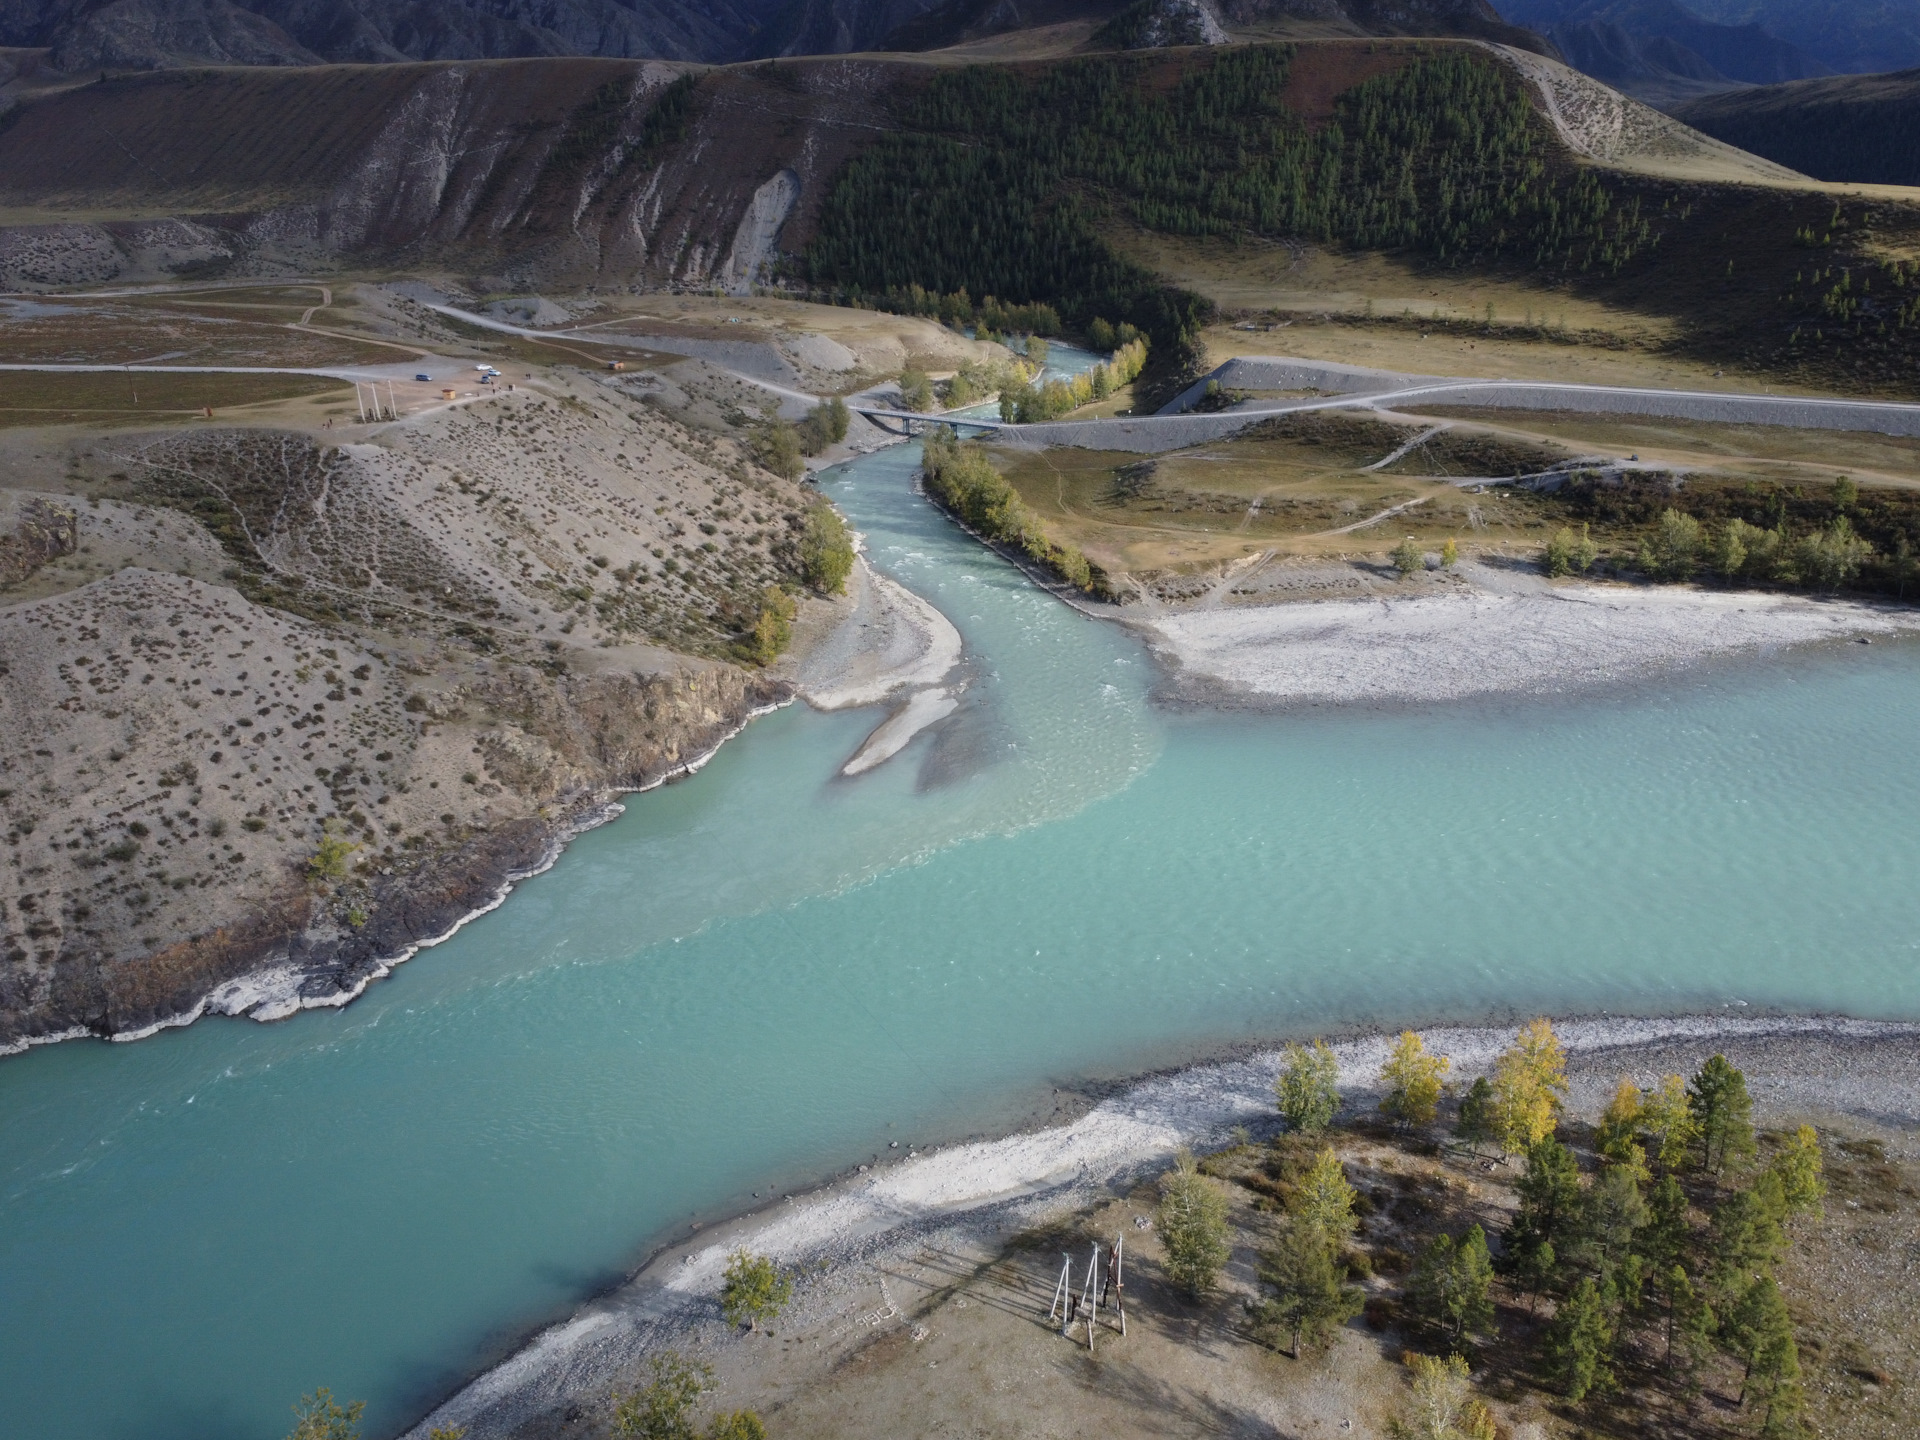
943	1212
280	707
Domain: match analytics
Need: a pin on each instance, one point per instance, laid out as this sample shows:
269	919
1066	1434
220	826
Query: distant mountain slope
1139	23
1855	37
1861	128
157	34
1660	50
119	35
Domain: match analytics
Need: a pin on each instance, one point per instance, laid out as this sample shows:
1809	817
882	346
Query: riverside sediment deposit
1497	632
880	1249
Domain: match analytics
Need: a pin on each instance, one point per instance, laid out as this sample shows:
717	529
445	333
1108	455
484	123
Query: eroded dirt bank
278	707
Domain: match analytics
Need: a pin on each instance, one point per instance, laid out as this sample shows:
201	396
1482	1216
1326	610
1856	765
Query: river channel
765	973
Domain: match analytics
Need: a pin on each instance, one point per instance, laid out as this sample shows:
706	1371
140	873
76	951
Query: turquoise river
760	975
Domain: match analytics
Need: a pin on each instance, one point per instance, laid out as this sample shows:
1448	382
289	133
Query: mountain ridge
1860	129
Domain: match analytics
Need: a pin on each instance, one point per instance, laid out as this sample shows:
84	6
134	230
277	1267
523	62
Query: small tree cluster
663	1408
1026	403
1570	554
1620	1251
826	550
1305	1278
826	424
962	479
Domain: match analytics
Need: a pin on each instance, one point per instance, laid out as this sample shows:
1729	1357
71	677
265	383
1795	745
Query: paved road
1342	387
1352	387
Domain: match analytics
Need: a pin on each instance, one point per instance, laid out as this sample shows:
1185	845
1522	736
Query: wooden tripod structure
1071	1307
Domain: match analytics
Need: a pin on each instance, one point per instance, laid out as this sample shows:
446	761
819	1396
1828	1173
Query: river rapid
763	974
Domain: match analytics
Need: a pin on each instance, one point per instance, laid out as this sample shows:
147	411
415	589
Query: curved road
1174	428
1352	387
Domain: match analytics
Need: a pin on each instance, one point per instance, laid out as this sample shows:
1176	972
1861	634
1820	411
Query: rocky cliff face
542	172
163	34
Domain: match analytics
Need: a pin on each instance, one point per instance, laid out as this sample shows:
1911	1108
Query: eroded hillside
278	698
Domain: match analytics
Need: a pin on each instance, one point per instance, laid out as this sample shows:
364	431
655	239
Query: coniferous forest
999	176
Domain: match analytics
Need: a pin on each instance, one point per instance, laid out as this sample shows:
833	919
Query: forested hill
861	178
1858	128
999	179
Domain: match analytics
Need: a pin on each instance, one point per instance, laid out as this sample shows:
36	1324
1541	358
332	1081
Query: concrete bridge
903	422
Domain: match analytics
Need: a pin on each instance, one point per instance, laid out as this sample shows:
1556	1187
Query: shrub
1408	557
663	1408
1307	1087
329	860
321	1417
754	1289
773	629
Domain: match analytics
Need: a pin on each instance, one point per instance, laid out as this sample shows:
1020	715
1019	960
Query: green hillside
1861	129
999	178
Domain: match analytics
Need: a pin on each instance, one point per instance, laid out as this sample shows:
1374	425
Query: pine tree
1550	1199
1609	1214
1722	1114
1193	1227
1477	1123
1413	1079
1452	1285
1579	1343
1743	1242
1308	1298
1690	1321
1549	1190
1665	1235
1758	1332
1308	1087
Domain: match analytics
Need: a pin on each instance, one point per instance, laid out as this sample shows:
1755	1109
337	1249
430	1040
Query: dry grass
1299	487
1766	453
119	398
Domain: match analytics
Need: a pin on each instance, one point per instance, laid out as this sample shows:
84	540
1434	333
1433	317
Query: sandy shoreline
1499	633
967	1198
